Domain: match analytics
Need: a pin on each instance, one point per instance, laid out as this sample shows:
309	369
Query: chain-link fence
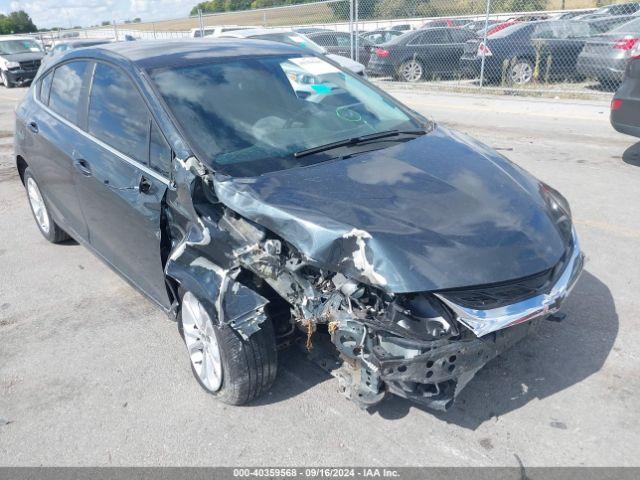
528	45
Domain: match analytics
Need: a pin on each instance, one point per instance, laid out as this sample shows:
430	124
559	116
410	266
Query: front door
119	186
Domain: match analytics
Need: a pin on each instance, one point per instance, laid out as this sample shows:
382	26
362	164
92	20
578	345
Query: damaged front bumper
433	373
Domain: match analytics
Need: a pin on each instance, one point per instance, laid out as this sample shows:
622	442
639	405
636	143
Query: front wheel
411	70
225	365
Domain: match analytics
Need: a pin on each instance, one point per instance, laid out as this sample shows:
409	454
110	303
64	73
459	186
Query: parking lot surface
91	373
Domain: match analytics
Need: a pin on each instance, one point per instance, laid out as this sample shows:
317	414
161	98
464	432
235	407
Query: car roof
252	32
80	41
150	54
16	37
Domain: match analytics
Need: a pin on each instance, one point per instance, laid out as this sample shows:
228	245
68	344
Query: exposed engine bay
414	345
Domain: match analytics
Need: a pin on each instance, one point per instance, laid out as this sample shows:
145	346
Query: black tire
55	234
249	367
5	80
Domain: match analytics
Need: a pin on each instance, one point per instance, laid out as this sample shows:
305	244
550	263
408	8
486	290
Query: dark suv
261	195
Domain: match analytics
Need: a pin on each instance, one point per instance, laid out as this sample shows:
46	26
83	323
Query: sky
66	13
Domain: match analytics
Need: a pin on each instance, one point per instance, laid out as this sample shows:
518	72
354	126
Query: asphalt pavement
91	373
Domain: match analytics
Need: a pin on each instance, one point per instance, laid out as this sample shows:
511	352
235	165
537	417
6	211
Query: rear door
558	45
123	179
459	39
435	50
54	135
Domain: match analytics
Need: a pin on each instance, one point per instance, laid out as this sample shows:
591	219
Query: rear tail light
616	103
382	53
483	50
625	43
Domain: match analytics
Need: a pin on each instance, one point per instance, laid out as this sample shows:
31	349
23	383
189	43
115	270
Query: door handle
33	126
145	185
82	166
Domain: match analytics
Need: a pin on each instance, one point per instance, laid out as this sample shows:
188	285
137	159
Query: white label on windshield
313	65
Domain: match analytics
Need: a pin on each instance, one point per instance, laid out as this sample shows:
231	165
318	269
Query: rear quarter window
44	87
67	90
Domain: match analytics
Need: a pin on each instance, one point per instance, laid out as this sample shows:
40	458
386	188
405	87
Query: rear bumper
623	121
601	67
378	68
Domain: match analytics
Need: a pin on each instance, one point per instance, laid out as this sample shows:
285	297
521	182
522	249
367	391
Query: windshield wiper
357	141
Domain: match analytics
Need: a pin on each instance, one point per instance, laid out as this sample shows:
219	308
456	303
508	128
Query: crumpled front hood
438	212
23	57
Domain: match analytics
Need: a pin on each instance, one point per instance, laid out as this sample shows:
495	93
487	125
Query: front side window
159	151
66	90
432	37
249	116
117	114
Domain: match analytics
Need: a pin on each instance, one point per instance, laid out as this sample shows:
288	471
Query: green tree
16	22
499	6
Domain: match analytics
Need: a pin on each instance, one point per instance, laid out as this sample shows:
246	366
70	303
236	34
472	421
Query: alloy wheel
521	73
37	205
202	343
411	71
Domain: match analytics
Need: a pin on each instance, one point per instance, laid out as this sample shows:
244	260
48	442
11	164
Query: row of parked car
590	43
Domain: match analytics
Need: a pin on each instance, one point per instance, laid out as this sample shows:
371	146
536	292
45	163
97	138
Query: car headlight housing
559	210
13	65
555	200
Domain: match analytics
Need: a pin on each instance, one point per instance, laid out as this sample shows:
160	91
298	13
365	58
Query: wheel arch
21	165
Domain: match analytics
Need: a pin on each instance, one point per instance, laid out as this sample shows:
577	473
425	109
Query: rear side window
343	40
461	36
66	90
431	37
44	86
117	114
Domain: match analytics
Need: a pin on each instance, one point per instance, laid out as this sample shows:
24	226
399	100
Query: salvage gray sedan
261	196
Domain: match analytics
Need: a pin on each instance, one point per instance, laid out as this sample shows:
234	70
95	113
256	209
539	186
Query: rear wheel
520	72
228	367
411	70
49	229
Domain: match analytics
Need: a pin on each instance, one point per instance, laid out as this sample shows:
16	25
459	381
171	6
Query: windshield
10	47
249	116
631	27
293	38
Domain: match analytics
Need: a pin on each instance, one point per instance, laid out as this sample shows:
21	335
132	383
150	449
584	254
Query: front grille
501	294
30	65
